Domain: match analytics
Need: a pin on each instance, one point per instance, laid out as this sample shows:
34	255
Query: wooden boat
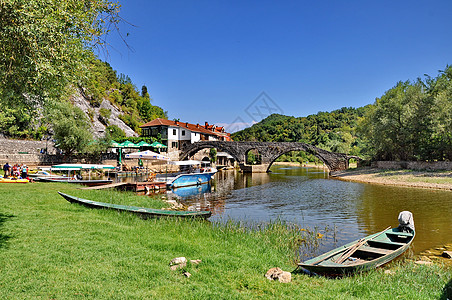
364	254
78	181
13	180
143	212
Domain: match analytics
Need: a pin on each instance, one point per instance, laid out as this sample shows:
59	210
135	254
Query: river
343	211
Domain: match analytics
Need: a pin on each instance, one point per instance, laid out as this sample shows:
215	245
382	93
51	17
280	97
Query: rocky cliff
97	127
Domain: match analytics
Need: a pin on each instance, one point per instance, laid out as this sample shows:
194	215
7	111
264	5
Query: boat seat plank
399	233
375	250
387	242
384	244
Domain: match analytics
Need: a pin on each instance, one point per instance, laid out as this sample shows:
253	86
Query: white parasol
147	155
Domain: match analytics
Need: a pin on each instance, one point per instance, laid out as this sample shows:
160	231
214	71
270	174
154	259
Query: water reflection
309	198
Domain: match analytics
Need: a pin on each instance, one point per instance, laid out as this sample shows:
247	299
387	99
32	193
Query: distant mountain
336	131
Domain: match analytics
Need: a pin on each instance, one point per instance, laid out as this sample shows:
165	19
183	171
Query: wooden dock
105	186
145	186
132	186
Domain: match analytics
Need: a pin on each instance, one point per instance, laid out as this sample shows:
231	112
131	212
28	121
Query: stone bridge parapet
269	152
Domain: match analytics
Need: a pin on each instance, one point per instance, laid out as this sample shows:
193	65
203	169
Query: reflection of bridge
269	152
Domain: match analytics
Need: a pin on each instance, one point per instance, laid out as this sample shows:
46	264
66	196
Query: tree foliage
71	128
115	132
103	83
46	49
45	44
413	121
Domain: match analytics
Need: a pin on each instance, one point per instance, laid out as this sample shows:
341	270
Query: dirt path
440	180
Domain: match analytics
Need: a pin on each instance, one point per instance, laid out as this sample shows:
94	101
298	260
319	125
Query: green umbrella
143	144
114	144
128	144
158	145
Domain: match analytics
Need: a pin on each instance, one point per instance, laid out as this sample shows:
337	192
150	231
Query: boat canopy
69	167
185	162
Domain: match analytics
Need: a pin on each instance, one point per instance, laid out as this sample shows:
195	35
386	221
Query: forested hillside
411	121
335	131
47	60
104	83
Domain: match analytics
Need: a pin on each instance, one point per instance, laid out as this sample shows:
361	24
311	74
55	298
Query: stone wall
29	153
8	146
413	165
24	151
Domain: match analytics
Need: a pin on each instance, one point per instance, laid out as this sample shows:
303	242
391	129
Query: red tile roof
192	127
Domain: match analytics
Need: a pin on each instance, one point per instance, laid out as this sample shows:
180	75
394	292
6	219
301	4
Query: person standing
15	170
24	171
7	170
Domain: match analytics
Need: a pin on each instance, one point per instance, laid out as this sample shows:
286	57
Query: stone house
176	135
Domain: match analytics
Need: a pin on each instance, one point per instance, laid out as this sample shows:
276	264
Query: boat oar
352	249
346	251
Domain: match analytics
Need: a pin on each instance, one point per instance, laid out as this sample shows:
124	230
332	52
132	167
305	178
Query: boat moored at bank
143	212
366	253
193	173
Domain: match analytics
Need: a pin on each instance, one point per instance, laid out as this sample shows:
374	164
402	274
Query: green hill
335	131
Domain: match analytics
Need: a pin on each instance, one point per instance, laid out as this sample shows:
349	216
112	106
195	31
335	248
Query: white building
176	135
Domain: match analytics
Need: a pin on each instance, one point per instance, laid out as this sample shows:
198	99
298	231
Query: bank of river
340	209
52	249
439	180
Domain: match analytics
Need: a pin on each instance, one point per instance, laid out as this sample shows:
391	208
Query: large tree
45	44
71	128
413	121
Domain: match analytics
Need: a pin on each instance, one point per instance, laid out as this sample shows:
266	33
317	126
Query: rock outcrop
278	274
97	128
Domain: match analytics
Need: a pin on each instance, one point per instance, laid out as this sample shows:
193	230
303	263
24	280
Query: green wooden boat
143	212
361	255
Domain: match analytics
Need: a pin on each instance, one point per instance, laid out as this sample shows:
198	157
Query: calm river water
309	198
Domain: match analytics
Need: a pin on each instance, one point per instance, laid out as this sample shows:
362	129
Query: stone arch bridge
269	152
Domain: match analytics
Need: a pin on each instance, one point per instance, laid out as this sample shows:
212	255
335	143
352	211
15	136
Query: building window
174	144
174	132
183	132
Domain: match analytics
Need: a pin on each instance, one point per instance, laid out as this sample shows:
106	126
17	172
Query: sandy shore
440	180
297	164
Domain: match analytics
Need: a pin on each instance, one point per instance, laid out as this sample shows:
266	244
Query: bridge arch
195	147
253	157
298	148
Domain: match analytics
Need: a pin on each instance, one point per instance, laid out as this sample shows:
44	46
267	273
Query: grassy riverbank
52	249
441	180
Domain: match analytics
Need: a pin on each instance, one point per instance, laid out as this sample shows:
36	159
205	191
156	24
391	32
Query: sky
233	63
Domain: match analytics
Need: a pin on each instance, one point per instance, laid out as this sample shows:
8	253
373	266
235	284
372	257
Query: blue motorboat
191	191
191	175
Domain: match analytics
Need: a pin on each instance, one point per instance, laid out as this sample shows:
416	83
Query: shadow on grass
3	237
447	291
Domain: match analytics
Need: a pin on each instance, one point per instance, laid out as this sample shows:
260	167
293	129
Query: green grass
439	177
51	249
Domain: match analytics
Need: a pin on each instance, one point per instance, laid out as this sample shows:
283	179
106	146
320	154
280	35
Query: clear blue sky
209	60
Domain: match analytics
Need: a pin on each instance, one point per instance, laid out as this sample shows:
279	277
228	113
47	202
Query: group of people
16	171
